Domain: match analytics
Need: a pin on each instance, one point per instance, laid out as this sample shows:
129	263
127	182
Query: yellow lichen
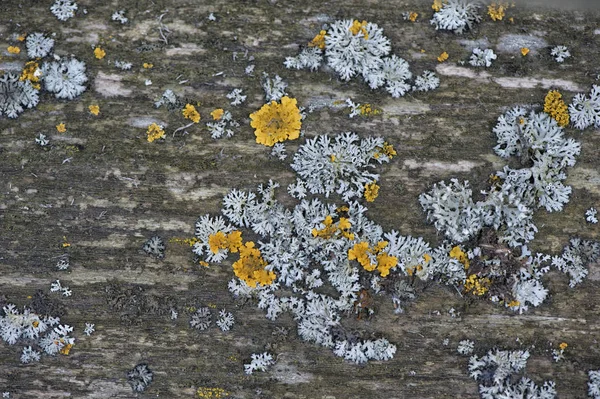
437	5
367	110
412	17
251	267
99	53
66	349
476	285
276	122
220	240
32	72
147	65
458	254
442	57
155	132
555	106
318	40
563	346
189	112
496	11
524	51
361	27
94	109
363	255
217	114
61	128
216	393
331	229
13	49
371	191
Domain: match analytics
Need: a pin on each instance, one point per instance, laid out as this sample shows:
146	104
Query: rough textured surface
107	190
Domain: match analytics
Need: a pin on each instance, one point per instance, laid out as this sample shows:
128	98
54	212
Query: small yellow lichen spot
496	11
563	346
332	158
276	122
61	128
359	27
512	20
66	349
513	304
147	65
412	17
203	263
319	40
155	132
422	51
13	49
521	120
555	106
35	323
205	392
427	257
437	5
371	191
443	57
217	114
99	53
21	38
524	51
94	109
32	72
189	112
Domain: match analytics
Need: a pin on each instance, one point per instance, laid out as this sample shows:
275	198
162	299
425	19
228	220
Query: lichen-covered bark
107	190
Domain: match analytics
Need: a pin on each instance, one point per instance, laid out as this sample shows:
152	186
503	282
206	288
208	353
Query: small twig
182	127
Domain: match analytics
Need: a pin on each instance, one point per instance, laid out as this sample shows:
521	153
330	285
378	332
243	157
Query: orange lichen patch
251	267
189	112
147	65
61	128
458	254
66	349
364	255
94	109
21	38
99	53
387	150
513	304
496	11
522	120
217	114
555	106
371	191
220	240
442	57
367	110
563	346
276	122
155	132
32	72
203	263
427	258
13	49
476	285
412	17
319	40
437	5
524	51
331	229
358	26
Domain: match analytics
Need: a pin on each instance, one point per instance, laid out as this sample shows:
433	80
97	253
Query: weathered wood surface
116	190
